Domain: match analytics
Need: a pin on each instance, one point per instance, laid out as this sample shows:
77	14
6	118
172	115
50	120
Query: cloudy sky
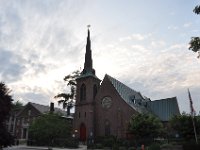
144	44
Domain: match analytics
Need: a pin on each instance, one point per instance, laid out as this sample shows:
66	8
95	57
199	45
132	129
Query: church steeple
88	67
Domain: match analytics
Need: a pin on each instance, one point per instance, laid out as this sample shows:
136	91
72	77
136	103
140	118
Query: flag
191	104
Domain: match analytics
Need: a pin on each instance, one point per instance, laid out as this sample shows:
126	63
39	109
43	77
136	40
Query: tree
197	9
16	106
183	125
195	45
145	126
195	41
48	129
68	99
5	107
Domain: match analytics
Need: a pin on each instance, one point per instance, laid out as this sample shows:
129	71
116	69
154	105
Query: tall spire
88	68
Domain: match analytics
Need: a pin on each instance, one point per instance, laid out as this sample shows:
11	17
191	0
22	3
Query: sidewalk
21	147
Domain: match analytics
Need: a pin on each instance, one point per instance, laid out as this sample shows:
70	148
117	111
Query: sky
143	44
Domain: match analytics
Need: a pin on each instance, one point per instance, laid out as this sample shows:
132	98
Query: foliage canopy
197	9
195	41
68	99
144	126
49	127
183	125
5	107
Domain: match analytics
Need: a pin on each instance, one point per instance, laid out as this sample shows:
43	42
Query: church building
105	107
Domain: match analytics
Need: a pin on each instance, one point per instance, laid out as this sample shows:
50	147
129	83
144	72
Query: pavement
24	147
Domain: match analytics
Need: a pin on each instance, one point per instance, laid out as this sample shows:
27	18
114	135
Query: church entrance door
83	132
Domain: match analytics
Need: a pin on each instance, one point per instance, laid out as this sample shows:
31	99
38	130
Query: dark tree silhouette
5	107
183	125
68	99
48	128
145	127
195	41
17	105
197	9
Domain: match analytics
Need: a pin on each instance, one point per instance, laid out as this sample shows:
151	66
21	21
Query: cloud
158	44
154	67
186	25
11	69
38	47
172	27
42	41
138	37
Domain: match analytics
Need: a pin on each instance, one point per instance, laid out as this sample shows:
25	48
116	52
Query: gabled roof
43	109
130	96
164	108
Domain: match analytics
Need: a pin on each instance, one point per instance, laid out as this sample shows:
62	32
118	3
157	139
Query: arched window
107	128
94	91
83	92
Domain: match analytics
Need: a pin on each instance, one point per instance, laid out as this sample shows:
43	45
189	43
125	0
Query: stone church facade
105	107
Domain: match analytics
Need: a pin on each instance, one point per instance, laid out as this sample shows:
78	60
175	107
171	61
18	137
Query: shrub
99	146
122	148
109	141
191	146
166	146
154	146
115	147
131	148
71	143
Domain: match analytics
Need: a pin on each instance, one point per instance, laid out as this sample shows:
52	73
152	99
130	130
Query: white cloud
125	38
172	27
36	41
42	41
188	24
157	44
155	68
137	36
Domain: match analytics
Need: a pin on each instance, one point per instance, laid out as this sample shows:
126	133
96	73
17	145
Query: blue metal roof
164	108
130	96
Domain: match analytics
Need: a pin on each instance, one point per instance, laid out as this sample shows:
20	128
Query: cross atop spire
88	26
88	69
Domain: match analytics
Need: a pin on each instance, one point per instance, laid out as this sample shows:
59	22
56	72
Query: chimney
51	107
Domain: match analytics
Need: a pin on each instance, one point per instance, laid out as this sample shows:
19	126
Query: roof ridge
170	98
45	105
127	94
38	104
110	77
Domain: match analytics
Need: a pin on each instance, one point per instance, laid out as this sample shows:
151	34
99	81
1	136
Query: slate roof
164	108
45	109
130	96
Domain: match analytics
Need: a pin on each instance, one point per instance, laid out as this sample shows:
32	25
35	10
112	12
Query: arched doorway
82	132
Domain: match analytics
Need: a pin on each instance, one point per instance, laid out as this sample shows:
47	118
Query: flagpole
192	115
195	133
